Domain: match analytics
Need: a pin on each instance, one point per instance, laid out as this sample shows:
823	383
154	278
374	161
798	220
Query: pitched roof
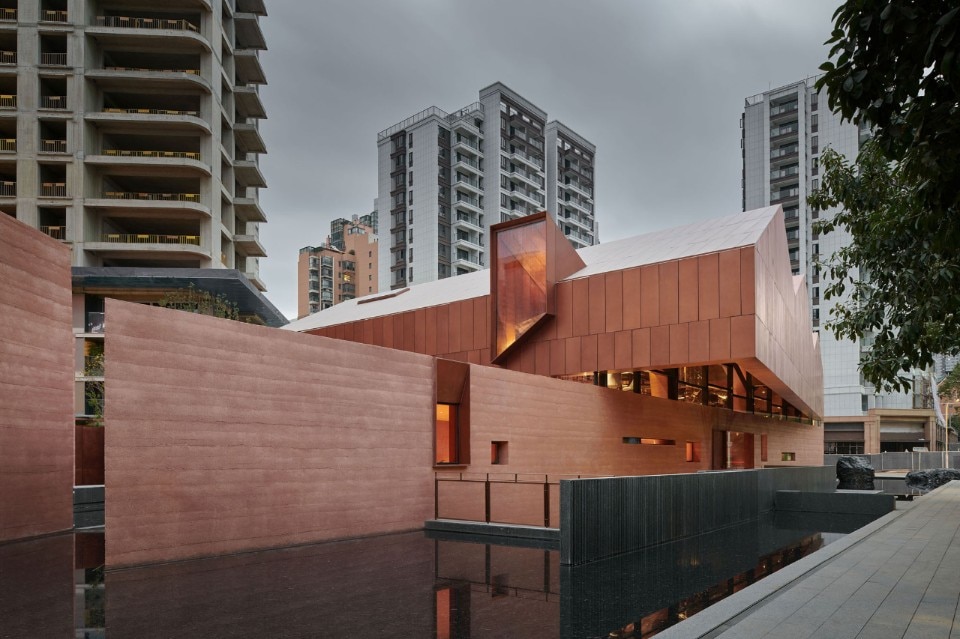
706	236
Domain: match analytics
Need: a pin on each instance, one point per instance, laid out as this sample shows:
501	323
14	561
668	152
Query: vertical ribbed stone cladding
602	518
36	383
225	437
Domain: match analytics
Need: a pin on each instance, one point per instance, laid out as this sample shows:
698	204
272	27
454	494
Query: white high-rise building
783	132
445	178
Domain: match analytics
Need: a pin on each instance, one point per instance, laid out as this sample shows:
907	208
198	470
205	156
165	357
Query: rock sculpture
854	473
927	480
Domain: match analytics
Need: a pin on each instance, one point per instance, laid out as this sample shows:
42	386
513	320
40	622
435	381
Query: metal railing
8	57
126	22
467	142
8	189
148	70
8	14
125	153
149	238
8	101
53	146
56	232
413	119
195	114
52	102
468	161
8	144
48	15
164	197
53	189
54	59
536	482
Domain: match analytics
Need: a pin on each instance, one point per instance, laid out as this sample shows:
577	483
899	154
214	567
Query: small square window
788	457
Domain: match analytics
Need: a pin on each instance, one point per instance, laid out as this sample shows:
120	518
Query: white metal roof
698	238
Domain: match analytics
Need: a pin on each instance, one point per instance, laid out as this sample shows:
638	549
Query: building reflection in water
400	585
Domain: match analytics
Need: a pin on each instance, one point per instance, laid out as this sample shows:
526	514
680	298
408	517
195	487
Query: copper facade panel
443	330
473	356
386	331
641	347
453	332
748	280
451	380
613	289
632	300
720	339
679	343
581	307
481	336
649	296
598	303
743	336
420	330
409	331
606	352
700	341
564	310
368	332
660	346
466	327
399	339
542	354
730	283
485	356
431	330
588	353
528	358
571	356
623	343
709	286
668	293
689	283
557	357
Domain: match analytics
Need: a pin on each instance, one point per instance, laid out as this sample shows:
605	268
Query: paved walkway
897	577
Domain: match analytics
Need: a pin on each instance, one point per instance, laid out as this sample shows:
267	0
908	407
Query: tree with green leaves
194	300
895	66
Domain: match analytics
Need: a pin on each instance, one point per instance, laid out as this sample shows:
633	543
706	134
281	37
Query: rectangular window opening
649	441
693	451
447	435
788	457
498	453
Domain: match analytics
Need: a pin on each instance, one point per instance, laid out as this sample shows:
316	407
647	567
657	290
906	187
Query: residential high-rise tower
783	132
445	178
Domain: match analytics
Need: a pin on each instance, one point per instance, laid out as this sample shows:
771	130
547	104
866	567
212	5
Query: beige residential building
328	275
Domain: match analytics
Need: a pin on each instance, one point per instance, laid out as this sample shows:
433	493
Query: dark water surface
405	585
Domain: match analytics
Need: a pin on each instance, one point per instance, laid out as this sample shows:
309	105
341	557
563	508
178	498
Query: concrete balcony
247	100
529	179
468	185
579	189
527	197
467	127
248	32
255	280
527	160
248	136
248	209
248	174
466	243
149	119
248	68
149	79
151	203
121	244
472	147
166	163
174	35
467	222
471	264
467	165
249	245
468	204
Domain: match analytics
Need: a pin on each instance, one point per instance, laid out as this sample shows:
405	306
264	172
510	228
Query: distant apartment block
783	132
336	272
445	178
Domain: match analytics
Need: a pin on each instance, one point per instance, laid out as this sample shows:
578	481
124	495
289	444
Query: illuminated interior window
448	436
693	451
498	452
521	266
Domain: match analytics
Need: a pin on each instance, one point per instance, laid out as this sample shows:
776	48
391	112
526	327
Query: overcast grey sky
658	86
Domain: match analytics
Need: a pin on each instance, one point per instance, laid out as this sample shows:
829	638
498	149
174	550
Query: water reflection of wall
489	592
36	588
365	588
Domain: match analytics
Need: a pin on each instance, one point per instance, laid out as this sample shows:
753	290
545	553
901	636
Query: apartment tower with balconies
783	132
343	268
445	178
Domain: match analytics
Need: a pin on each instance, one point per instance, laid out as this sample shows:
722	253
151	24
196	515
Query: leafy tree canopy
203	302
895	66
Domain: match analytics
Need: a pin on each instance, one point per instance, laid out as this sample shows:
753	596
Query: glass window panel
447	440
521	281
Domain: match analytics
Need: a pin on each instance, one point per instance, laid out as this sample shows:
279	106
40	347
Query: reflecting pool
403	585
